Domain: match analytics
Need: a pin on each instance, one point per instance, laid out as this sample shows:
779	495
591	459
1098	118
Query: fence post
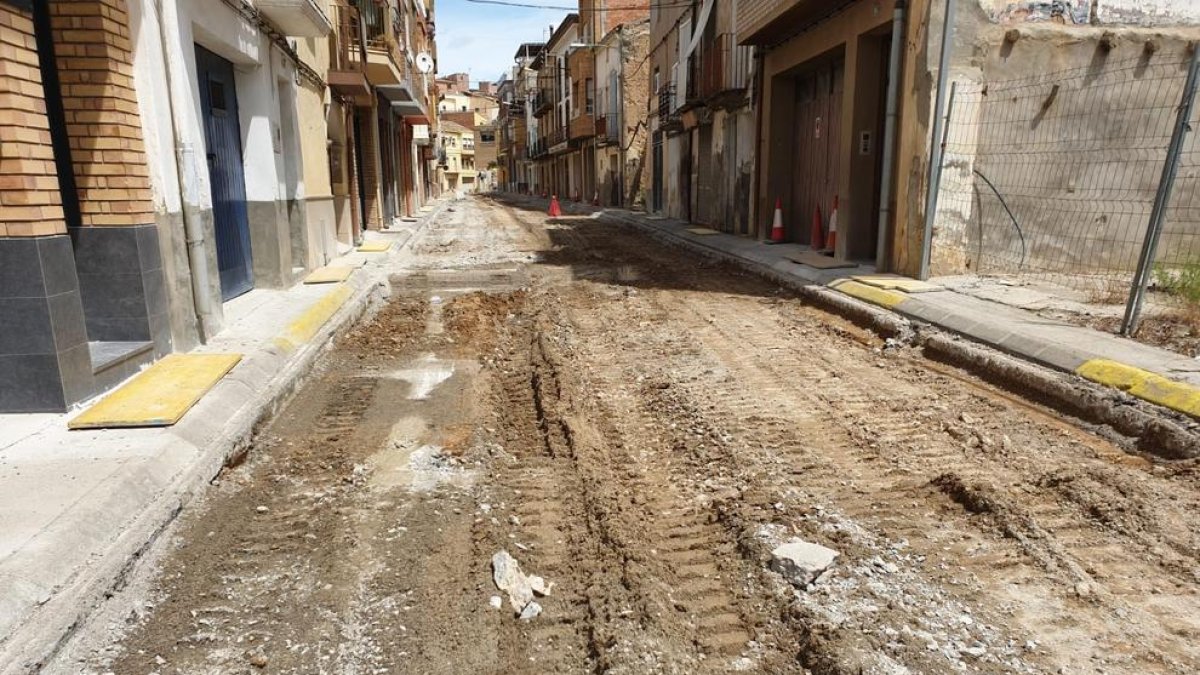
1137	293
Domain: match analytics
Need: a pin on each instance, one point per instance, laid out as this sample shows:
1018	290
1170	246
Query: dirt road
641	428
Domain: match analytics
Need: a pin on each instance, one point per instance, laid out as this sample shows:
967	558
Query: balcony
668	111
556	141
348	56
538	148
723	72
296	18
385	56
582	126
542	101
608	130
763	22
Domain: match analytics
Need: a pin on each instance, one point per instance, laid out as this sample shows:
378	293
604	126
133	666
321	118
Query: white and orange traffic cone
831	244
555	209
777	232
816	238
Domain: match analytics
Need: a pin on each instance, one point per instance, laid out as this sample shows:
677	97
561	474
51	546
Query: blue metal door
223	136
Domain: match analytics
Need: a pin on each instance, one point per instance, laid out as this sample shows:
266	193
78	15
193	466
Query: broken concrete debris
521	587
801	562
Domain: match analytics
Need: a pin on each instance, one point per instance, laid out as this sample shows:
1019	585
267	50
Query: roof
568	21
455	128
529	50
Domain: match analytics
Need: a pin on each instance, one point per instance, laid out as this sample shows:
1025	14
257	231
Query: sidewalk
76	507
1153	374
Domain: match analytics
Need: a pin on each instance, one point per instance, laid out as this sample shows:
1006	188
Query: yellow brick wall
92	48
29	201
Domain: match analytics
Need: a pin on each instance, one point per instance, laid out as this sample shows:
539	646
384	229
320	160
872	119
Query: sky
481	39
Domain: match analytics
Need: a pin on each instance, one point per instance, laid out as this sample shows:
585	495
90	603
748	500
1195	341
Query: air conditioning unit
296	18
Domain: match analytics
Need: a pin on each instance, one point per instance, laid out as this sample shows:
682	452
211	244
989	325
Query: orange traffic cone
555	210
816	239
777	232
832	243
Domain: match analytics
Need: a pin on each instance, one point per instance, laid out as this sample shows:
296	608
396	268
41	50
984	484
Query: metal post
935	152
1162	199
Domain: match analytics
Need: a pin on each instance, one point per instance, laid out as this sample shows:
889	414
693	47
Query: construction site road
642	429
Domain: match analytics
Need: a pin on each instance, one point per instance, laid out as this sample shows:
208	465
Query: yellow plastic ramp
1143	384
894	282
329	275
702	231
375	246
876	296
160	395
305	326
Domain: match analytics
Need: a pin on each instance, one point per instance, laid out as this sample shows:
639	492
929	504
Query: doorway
222	136
816	156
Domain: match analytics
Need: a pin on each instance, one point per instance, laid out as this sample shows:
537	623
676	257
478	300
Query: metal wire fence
1054	176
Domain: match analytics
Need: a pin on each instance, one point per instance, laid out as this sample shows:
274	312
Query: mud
641	427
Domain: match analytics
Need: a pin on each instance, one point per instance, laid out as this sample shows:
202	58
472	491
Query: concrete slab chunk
801	562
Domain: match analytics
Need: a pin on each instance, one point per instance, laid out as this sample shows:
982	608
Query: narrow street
641	428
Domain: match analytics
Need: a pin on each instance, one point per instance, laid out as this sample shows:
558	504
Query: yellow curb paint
873	295
329	275
1143	384
307	324
160	395
897	283
375	246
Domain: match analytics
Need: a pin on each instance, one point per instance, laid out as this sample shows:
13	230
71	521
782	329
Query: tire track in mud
873	423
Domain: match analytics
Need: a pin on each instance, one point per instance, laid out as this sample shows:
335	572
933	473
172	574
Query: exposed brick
95	67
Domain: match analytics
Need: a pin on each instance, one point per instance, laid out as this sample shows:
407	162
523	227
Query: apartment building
516	125
581	105
385	78
701	122
552	106
160	159
457	157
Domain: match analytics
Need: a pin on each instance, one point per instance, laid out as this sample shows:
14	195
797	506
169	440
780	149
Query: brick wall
92	48
29	199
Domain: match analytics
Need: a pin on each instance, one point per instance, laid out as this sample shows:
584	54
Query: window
589	95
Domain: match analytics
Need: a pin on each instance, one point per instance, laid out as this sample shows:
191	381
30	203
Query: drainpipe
756	98
889	136
186	179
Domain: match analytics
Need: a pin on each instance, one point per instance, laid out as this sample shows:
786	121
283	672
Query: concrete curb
1151	412
220	427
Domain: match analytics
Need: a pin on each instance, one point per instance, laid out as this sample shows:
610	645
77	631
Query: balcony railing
346	48
608	129
583	126
724	69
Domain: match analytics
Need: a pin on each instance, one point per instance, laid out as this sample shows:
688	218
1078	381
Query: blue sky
481	39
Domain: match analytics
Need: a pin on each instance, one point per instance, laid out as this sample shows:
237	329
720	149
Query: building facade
161	158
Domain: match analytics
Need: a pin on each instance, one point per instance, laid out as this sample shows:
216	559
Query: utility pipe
935	150
186	176
889	135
